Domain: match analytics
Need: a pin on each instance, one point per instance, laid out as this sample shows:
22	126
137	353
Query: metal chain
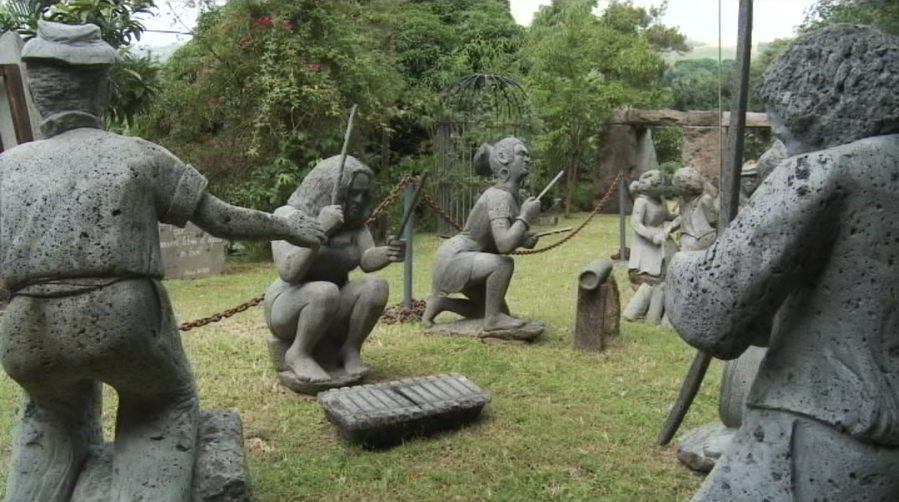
424	197
599	206
389	199
187	326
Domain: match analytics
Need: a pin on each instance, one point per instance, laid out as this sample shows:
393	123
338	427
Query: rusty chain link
389	199
203	321
599	206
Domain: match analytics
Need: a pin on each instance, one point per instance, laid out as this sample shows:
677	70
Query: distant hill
704	51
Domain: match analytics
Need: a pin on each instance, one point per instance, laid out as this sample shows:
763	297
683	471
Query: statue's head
833	86
506	159
651	183
68	69
749	177
688	181
354	193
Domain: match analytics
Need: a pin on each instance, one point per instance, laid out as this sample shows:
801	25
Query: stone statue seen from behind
808	269
80	257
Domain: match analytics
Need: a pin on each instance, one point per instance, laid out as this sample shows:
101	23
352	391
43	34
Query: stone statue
652	247
79	215
475	262
807	269
698	210
318	316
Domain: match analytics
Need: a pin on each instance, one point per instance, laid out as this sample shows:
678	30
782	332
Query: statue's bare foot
432	308
352	363
502	322
305	368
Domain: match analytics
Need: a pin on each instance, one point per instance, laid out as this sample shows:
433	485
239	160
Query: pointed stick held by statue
335	194
551	183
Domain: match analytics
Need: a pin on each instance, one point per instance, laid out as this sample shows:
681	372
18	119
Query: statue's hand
659	238
330	218
530	209
396	250
304	231
530	240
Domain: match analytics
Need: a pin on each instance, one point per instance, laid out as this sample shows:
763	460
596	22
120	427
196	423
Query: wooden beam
677	118
18	102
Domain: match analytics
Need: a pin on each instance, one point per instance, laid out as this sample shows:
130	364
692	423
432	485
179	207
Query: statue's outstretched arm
233	222
717	298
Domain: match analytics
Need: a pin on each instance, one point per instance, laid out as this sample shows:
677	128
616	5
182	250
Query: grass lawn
563	425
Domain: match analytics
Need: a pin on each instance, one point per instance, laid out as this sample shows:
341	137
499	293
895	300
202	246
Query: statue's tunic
455	258
698	217
86	203
647	219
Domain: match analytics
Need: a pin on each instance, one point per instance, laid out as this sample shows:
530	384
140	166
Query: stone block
384	414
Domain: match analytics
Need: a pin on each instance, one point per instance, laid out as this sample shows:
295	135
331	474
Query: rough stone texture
87	305
598	307
618	152
220	472
808	269
10	54
386	413
736	380
286	377
190	252
701	149
700	448
529	332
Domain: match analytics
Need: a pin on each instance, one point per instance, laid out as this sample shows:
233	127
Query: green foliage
579	68
668	143
134	79
881	13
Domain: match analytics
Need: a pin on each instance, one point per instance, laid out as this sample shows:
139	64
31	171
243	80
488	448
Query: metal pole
408	234
730	198
622	225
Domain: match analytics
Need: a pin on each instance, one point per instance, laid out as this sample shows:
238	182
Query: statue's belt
70	286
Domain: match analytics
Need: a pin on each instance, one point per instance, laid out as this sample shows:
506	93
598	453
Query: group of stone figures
807	269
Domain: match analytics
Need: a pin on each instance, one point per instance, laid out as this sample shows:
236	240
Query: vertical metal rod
408	235
622	223
730	171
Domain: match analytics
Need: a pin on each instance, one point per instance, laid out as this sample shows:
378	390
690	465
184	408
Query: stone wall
190	253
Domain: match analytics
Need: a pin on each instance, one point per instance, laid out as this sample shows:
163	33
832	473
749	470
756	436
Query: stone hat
750	169
73	44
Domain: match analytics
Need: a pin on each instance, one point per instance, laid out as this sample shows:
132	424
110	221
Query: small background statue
475	262
652	248
698	210
318	316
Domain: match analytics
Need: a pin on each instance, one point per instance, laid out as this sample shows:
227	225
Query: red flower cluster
287	24
243	40
263	22
314	66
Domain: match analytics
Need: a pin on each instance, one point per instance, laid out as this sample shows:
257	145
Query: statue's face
651	183
357	199
520	163
688	182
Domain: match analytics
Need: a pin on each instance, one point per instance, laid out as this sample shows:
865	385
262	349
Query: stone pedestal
473	327
220	472
286	377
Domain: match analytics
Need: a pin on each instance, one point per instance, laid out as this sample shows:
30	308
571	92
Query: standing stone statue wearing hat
79	215
698	210
475	262
318	316
808	268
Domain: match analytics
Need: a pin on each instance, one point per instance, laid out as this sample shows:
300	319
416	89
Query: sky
698	19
